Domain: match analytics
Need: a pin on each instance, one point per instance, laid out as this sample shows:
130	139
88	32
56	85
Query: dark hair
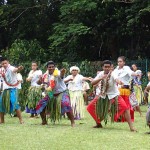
4	58
106	62
50	63
123	58
34	62
135	65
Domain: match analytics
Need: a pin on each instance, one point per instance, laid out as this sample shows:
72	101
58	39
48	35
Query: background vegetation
74	30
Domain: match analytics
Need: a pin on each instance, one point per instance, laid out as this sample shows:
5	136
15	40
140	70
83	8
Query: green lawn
33	136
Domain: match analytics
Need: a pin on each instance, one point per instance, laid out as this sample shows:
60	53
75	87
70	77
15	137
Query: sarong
120	109
125	93
9	101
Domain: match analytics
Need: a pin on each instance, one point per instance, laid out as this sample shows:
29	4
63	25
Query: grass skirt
106	108
56	106
139	93
77	104
9	101
34	95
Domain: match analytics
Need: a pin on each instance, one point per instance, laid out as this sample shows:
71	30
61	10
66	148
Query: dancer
9	101
108	100
34	92
56	100
124	74
76	91
137	84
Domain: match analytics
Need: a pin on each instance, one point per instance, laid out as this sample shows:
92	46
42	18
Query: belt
58	93
125	87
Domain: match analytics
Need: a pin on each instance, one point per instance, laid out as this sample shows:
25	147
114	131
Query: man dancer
108	89
8	100
56	95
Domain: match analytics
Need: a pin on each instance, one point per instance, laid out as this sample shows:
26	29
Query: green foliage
22	51
75	30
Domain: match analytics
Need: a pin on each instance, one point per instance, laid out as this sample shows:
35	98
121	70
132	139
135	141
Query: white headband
74	68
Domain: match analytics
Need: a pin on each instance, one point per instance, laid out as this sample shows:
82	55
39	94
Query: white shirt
1	79
76	84
124	74
148	83
35	77
19	78
85	86
10	76
60	86
112	90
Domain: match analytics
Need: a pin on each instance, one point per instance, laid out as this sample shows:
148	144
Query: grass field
61	136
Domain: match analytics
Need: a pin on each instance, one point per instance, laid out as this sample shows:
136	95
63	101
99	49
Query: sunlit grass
61	136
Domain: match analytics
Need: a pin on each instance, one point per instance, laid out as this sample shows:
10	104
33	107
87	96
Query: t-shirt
35	75
76	84
85	86
124	74
60	86
1	79
148	83
19	78
11	77
112	90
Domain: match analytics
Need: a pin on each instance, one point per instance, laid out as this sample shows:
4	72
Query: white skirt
77	104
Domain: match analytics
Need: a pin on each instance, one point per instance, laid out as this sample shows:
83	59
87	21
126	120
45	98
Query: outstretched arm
18	69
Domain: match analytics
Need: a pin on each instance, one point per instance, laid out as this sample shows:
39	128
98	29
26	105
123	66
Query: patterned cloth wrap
65	103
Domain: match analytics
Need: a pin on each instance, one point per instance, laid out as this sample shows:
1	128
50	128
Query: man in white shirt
9	101
109	89
56	88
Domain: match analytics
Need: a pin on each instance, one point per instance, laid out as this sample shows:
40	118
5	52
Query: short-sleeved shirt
35	75
85	86
124	74
76	84
19	78
60	86
11	77
112	90
148	83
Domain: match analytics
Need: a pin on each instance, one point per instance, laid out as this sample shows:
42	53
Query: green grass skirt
105	109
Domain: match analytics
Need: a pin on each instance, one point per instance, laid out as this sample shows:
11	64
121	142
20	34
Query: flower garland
50	82
105	84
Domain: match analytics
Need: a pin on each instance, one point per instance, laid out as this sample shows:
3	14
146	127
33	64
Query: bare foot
44	123
98	126
73	124
133	129
141	115
21	122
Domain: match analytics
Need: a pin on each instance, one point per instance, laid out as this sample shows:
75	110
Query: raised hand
20	68
63	71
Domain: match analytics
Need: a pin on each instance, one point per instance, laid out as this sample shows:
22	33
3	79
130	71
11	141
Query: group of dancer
53	95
